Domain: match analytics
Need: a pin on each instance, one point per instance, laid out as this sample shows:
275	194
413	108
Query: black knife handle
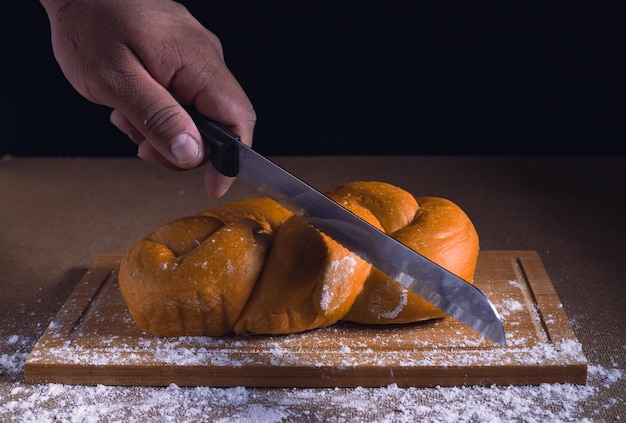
224	154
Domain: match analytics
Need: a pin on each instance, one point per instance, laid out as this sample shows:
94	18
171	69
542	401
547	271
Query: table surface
58	215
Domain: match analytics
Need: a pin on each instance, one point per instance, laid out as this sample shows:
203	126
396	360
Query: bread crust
440	231
193	276
309	281
253	267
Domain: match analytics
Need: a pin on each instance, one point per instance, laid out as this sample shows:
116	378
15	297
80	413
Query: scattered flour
512	305
67	403
12	361
547	402
377	306
338	273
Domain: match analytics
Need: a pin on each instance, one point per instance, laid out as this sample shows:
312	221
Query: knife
443	289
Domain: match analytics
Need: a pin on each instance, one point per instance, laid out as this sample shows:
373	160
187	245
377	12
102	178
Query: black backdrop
367	78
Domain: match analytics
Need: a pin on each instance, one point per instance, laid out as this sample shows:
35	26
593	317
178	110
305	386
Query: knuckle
215	40
161	119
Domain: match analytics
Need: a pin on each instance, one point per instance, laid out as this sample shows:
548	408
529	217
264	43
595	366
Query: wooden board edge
292	376
72	311
551	312
312	377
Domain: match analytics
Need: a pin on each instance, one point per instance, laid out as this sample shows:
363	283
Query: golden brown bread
308	281
252	267
441	232
193	276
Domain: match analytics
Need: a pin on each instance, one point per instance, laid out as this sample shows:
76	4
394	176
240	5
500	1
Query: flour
555	402
67	403
511	306
546	402
337	274
12	362
379	307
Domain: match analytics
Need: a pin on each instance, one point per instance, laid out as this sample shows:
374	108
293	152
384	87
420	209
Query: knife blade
443	289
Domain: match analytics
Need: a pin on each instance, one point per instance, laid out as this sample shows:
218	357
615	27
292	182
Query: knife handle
222	142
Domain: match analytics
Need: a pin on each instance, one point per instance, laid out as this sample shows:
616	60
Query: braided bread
253	267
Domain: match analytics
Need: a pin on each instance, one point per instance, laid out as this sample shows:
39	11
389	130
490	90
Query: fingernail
184	148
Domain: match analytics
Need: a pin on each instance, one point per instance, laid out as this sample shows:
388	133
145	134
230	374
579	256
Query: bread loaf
253	267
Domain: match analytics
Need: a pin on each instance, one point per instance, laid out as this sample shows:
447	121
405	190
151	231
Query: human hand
144	58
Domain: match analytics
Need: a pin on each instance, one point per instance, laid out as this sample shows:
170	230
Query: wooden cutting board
93	340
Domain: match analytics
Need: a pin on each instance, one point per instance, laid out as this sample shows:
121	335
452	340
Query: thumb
165	125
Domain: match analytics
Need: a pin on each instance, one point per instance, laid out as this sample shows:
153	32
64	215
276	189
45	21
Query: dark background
361	78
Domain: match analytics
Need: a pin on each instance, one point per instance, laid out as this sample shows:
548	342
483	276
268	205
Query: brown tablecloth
58	215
